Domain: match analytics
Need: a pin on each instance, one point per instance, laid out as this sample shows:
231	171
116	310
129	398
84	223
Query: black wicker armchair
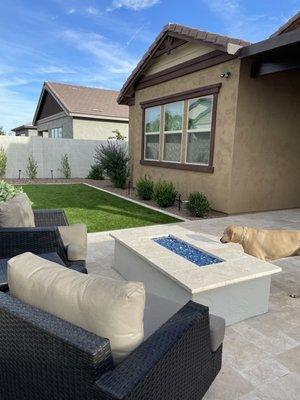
44	357
44	238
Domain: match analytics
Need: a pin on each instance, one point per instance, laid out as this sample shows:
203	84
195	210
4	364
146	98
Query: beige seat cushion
109	308
17	212
74	238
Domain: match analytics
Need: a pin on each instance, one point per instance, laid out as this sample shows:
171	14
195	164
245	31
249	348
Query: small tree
2	131
32	167
65	166
118	135
113	159
3	161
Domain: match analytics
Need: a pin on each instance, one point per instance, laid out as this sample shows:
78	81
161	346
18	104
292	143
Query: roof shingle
87	100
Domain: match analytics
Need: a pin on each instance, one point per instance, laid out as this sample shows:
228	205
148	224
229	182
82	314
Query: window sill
186	167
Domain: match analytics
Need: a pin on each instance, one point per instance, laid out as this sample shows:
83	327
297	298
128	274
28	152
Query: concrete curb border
139	203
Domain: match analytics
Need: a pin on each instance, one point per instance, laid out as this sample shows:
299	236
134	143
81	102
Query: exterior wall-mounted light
226	75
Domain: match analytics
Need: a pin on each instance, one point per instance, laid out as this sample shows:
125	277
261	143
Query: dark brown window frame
190	94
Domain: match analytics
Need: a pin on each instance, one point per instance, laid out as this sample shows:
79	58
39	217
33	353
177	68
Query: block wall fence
48	154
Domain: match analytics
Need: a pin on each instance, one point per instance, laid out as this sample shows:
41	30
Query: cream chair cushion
109	308
74	238
17	212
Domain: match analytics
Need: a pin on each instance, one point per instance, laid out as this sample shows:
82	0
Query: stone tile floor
262	354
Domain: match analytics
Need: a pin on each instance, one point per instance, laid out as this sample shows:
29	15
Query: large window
173	114
181	131
152	132
199	130
56	133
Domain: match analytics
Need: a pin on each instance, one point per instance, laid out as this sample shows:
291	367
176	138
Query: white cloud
132	4
92	11
23	109
110	55
239	23
53	69
71	11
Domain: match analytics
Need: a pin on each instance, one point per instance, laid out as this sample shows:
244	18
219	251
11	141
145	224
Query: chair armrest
14	241
174	363
51	217
46	354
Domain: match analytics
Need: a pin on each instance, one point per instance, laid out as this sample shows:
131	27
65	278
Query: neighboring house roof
182	34
85	102
292	24
25	126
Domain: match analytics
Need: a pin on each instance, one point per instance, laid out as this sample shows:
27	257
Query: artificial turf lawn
100	211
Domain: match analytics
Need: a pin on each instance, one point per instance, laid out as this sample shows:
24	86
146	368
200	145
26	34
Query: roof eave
273	43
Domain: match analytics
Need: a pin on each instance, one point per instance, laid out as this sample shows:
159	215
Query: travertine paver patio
262	354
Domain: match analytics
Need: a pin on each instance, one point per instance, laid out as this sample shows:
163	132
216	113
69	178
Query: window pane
173	116
152	147
200	113
172	147
198	147
152	119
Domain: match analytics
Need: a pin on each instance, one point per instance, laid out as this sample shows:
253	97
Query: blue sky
98	42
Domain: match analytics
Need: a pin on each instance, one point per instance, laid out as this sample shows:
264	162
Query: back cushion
17	212
109	308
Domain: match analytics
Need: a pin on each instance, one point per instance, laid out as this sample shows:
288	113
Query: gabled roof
183	34
292	24
84	102
25	126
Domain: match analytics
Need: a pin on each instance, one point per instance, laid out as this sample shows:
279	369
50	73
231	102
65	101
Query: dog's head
232	233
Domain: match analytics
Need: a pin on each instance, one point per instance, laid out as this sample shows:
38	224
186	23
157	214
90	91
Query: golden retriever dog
265	244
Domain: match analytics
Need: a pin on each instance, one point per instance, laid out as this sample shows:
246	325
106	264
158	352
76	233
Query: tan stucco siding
97	130
179	55
215	185
266	163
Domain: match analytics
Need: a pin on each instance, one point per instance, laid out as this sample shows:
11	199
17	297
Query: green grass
100	211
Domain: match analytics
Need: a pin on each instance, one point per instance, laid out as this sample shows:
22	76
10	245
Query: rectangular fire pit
182	265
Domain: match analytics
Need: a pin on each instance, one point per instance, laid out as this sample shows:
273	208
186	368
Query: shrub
164	193
3	161
118	135
32	167
198	204
113	159
145	188
8	191
65	168
96	172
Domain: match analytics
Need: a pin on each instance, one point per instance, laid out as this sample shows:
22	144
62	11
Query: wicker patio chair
51	217
44	357
39	240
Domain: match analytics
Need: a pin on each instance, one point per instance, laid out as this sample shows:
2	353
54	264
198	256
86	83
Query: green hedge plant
96	172
65	168
164	193
198	204
144	188
3	161
8	191
113	159
32	167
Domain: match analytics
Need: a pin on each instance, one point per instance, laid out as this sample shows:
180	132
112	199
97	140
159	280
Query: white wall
48	154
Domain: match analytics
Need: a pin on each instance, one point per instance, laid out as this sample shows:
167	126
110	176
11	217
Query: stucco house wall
266	154
26	132
216	185
97	130
56	121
